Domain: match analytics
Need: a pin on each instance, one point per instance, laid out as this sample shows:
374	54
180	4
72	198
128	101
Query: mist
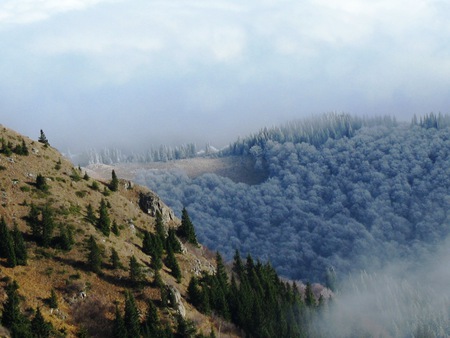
406	298
96	73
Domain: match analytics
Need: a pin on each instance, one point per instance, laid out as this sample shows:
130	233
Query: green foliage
119	329
186	229
53	299
131	318
39	327
43	139
41	183
172	241
115	228
7	245
114	184
260	304
12	318
20	248
75	176
152	246
47	225
115	260
172	263
58	164
90	215
151	327
95	186
94	257
103	222
65	240
136	274
86	176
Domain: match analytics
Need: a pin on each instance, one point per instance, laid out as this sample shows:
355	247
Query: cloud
271	59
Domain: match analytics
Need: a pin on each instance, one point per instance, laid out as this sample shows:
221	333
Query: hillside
64	271
343	194
92	258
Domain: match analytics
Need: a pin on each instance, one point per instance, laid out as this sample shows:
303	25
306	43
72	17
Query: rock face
150	203
179	306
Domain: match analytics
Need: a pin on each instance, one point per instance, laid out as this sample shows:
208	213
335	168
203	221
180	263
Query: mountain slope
68	194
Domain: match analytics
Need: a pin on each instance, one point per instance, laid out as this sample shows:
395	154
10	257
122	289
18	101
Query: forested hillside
343	193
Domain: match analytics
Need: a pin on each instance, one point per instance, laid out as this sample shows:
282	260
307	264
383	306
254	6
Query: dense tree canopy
343	194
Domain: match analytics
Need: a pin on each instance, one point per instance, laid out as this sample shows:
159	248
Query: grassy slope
66	271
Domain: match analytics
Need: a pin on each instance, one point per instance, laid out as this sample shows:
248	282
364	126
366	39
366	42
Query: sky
96	73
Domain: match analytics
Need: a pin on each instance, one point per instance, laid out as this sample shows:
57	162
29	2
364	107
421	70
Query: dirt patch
237	168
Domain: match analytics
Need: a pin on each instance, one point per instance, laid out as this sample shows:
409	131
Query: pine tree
115	260
136	274
34	222
151	325
12	318
194	292
172	241
147	243
186	229
19	246
131	318
94	258
114	184
90	215
238	266
221	273
43	139
172	264
120	331
53	300
7	245
47	225
39	327
310	299
115	228
103	221
41	183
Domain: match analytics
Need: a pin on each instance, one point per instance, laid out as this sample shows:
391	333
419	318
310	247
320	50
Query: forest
343	193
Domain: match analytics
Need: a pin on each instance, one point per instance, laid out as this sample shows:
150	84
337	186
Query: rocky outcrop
150	203
176	298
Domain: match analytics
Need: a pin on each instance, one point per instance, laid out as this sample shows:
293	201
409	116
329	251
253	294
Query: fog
407	298
95	73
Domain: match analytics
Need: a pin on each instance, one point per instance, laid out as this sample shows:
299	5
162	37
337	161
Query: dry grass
66	272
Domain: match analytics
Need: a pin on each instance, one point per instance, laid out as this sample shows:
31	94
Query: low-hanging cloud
180	68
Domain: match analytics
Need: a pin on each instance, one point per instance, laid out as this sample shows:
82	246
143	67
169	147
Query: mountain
339	194
107	258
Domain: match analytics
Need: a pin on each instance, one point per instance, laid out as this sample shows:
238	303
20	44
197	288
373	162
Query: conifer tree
186	229
114	184
115	260
39	327
310	299
136	274
19	246
7	245
47	225
90	215
131	318
147	243
159	226
53	299
115	228
94	258
172	241
41	183
43	139
238	266
172	264
194	292
120	331
103	221
221	273
152	325
12	318
34	222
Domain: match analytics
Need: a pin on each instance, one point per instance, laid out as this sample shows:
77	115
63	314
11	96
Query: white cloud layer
236	66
